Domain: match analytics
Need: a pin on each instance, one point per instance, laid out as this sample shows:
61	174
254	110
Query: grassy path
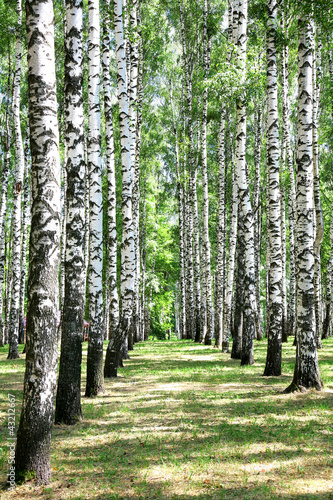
182	421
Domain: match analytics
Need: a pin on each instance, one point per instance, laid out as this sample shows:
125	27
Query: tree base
294	387
111	364
13	355
247	360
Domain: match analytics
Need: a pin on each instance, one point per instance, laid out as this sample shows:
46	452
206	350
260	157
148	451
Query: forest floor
184	421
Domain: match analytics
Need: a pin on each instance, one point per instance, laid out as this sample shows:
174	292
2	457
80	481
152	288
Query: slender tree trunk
34	434
113	312
222	339
180	193
274	332
188	206
306	373
257	213
63	230
8	284
284	253
205	234
13	329
249	310
128	246
319	220
96	323
68	401
3	205
291	317
24	231
236	352
232	252
328	312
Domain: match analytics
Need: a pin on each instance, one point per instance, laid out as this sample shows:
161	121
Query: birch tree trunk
284	251
232	252
257	213
222	338
34	433
306	373
236	352
319	220
63	229
188	205
291	318
207	281
133	120
68	401
180	195
13	329
95	285
128	245
24	231
3	205
244	199
274	332
113	313
328	312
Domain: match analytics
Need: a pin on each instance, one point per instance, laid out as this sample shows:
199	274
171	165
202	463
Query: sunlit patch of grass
185	421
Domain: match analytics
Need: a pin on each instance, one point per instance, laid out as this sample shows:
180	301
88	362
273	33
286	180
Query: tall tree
111	175
207	277
249	310
95	383
274	333
306	374
68	401
127	277
17	191
32	455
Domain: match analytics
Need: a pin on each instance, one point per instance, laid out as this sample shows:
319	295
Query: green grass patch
185	421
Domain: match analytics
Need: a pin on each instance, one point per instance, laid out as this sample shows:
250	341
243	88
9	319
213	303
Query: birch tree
207	277
127	277
244	197
13	326
111	176
34	434
95	383
274	333
68	401
306	374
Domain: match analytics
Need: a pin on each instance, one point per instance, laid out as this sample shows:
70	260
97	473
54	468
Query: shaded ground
185	421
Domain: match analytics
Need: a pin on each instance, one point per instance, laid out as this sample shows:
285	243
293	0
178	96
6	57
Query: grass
185	421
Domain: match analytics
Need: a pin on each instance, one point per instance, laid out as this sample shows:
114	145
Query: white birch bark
244	198
180	193
319	220
306	373
13	327
257	211
3	206
68	400
291	318
188	206
222	336
232	252
274	332
24	231
207	279
94	383
127	277
327	324
113	312
34	433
